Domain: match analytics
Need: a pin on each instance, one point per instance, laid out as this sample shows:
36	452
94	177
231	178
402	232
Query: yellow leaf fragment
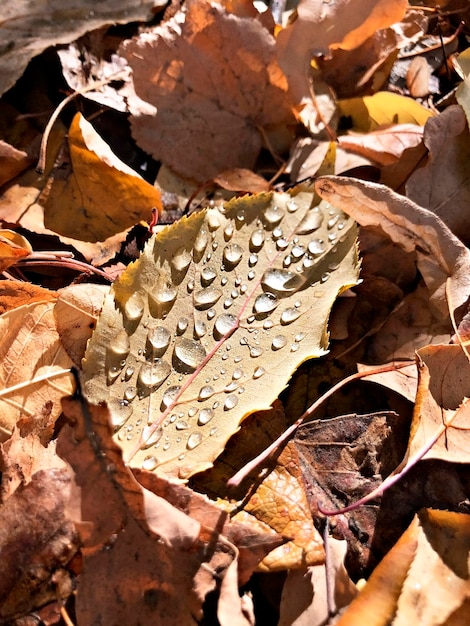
33	365
13	247
209	324
383	108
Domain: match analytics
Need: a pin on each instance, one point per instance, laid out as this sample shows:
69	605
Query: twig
287	434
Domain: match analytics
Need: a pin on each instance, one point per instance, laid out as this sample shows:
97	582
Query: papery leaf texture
208	325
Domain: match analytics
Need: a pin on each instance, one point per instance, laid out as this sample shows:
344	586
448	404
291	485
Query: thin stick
287	434
41	166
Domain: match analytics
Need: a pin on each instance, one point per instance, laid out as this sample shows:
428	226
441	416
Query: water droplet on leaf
134	307
207	297
193	441
205	416
188	354
265	303
230	402
279	341
232	255
311	221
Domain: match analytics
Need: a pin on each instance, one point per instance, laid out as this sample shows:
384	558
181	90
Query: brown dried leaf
12	162
339	24
444	262
443	184
443	392
422	580
217	305
33	365
142	556
13	247
215	82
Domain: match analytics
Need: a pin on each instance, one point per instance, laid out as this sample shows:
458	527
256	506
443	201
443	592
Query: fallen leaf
442	398
217	304
239	179
33	365
13	247
441	258
383	108
104	196
431	555
442	185
12	162
141	555
320	26
15	293
220	72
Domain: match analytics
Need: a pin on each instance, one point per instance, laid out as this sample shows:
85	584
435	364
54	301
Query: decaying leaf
15	293
442	259
12	162
33	364
219	306
214	79
13	247
422	580
141	555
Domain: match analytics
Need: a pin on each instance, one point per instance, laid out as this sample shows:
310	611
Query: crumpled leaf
422	580
442	185
219	306
442	259
12	162
215	81
443	392
383	108
141	555
320	25
30	350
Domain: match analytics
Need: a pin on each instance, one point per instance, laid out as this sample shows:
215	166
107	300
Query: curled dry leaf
12	162
219	306
141	555
442	259
33	365
215	81
339	24
422	580
13	247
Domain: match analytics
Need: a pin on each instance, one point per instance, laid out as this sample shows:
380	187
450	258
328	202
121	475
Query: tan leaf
14	293
422	580
443	392
33	365
320	25
12	162
441	258
13	247
142	556
215	82
218	306
76	312
443	184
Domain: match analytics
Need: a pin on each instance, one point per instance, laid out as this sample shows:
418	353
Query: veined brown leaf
212	320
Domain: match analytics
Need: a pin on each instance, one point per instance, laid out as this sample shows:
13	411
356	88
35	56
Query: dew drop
134	307
200	329
211	314
332	237
166	446
213	220
232	255
149	463
251	275
151	436
281	244
181	425
205	416
228	232
170	396
208	275
205	393
120	411
332	221
200	243
230	402
181	260
152	375
289	315
129	372
240	217
256	240
281	281
223	325
255	352
228	303
277	232
181	325
265	303
252	259
237	374
130	393
324	277
316	247
292	206
311	221
294	347
207	297
120	347
158	340
287	261
273	215
162	296
193	441
268	324
188	353
279	341
231	386
298	252
259	371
